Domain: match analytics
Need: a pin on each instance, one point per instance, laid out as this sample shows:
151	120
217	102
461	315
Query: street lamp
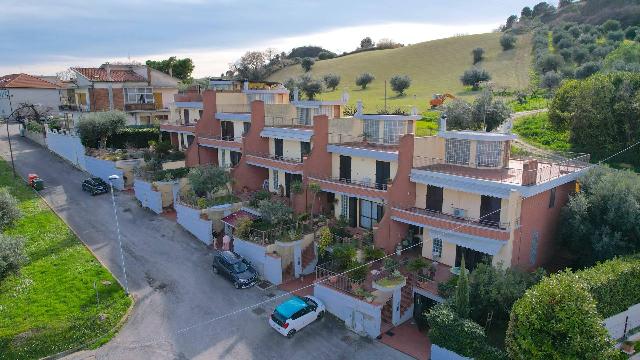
115	214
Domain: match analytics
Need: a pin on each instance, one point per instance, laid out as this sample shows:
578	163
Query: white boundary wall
440	353
190	219
269	267
616	323
147	196
103	169
68	147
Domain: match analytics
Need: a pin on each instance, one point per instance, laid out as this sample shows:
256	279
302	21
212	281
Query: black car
235	268
95	186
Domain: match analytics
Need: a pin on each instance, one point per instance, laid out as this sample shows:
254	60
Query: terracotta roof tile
25	81
117	75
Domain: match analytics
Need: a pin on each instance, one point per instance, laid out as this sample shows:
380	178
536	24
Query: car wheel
237	285
215	270
320	315
291	333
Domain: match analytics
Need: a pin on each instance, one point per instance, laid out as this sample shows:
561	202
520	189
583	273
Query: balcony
447	222
270	161
233	112
358	188
140	107
288	122
178	128
520	171
223	142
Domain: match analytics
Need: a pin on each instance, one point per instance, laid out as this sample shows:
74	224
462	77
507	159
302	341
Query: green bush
170	174
557	319
137	137
462	336
371	253
344	255
9	210
95	129
358	271
12	254
275	212
34	127
259	196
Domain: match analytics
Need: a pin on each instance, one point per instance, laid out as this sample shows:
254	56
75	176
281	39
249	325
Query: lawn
428	125
63	297
538	131
434	67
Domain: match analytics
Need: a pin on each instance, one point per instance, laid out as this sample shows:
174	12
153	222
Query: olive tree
307	63
364	79
208	180
474	76
508	41
96	128
310	86
331	81
478	54
400	83
550	80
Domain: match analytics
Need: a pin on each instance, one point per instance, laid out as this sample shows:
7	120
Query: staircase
308	256
406	299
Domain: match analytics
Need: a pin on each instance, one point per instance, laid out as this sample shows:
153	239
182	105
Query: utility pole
13	165
385	96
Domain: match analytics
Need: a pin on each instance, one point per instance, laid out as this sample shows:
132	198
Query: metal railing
224	138
364	140
468	220
362	183
533	171
287	159
233	108
290	122
332	275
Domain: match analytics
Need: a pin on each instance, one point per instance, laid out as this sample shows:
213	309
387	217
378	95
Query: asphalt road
169	274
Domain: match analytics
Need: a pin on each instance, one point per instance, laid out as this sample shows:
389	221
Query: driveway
180	306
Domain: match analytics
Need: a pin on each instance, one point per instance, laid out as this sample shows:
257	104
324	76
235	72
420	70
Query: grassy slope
50	306
538	131
434	67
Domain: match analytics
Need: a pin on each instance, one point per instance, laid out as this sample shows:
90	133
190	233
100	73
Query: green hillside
434	67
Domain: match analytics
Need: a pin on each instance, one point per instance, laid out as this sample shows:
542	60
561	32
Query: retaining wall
68	147
148	197
190	219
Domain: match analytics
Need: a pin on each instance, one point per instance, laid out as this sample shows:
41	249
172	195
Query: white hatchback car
294	314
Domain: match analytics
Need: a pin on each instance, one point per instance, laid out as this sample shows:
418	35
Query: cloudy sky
44	37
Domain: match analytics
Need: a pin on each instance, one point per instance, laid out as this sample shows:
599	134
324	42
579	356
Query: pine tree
462	292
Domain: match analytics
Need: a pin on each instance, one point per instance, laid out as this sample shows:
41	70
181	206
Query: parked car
294	314
95	186
235	268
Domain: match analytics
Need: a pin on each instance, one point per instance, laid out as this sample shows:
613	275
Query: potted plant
628	346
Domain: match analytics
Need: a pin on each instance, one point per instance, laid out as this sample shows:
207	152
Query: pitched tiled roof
117	75
25	81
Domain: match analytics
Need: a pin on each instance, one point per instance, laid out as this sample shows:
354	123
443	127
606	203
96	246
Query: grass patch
434	67
428	125
531	103
51	305
538	131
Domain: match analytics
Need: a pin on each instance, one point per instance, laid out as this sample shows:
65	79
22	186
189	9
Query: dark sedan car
95	186
235	268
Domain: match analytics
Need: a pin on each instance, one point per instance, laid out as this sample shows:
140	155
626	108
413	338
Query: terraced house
145	94
440	198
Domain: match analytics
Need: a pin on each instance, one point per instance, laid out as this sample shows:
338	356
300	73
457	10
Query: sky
44	37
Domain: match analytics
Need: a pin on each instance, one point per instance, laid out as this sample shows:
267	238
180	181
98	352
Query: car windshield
239	267
310	302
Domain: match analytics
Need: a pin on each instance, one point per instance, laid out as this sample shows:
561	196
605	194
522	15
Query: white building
16	89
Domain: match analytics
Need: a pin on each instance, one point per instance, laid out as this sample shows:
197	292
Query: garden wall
148	197
103	169
191	221
36	137
624	321
68	147
362	317
269	266
440	353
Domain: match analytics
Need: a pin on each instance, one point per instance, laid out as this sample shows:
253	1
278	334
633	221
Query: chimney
443	122
296	94
107	67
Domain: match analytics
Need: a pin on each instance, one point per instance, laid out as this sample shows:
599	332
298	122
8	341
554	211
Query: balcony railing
364	140
460	219
224	138
289	122
331	274
140	107
521	171
355	182
293	160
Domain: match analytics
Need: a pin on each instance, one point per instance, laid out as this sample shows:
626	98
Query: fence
390	140
330	272
367	183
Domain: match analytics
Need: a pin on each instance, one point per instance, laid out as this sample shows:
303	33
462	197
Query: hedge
170	174
462	336
614	284
137	137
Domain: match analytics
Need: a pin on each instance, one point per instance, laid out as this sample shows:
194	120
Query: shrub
208	180
275	212
331	81
400	83
550	62
616	36
417	264
137	137
387	44
344	255
550	80
258	196
96	128
325	239
243	227
564	44
611	25
307	63
508	41
324	55
631	32
469	339
358	271
364	79
34	127
12	254
296	187
9	210
587	69
474	76
371	253
478	54
580	55
557	319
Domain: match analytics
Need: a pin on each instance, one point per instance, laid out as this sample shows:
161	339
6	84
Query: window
370	213
305	148
372	130
246	126
393	130
534	247
223	157
489	153
344	206
274	174
436	248
235	158
142	95
552	198
457	151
